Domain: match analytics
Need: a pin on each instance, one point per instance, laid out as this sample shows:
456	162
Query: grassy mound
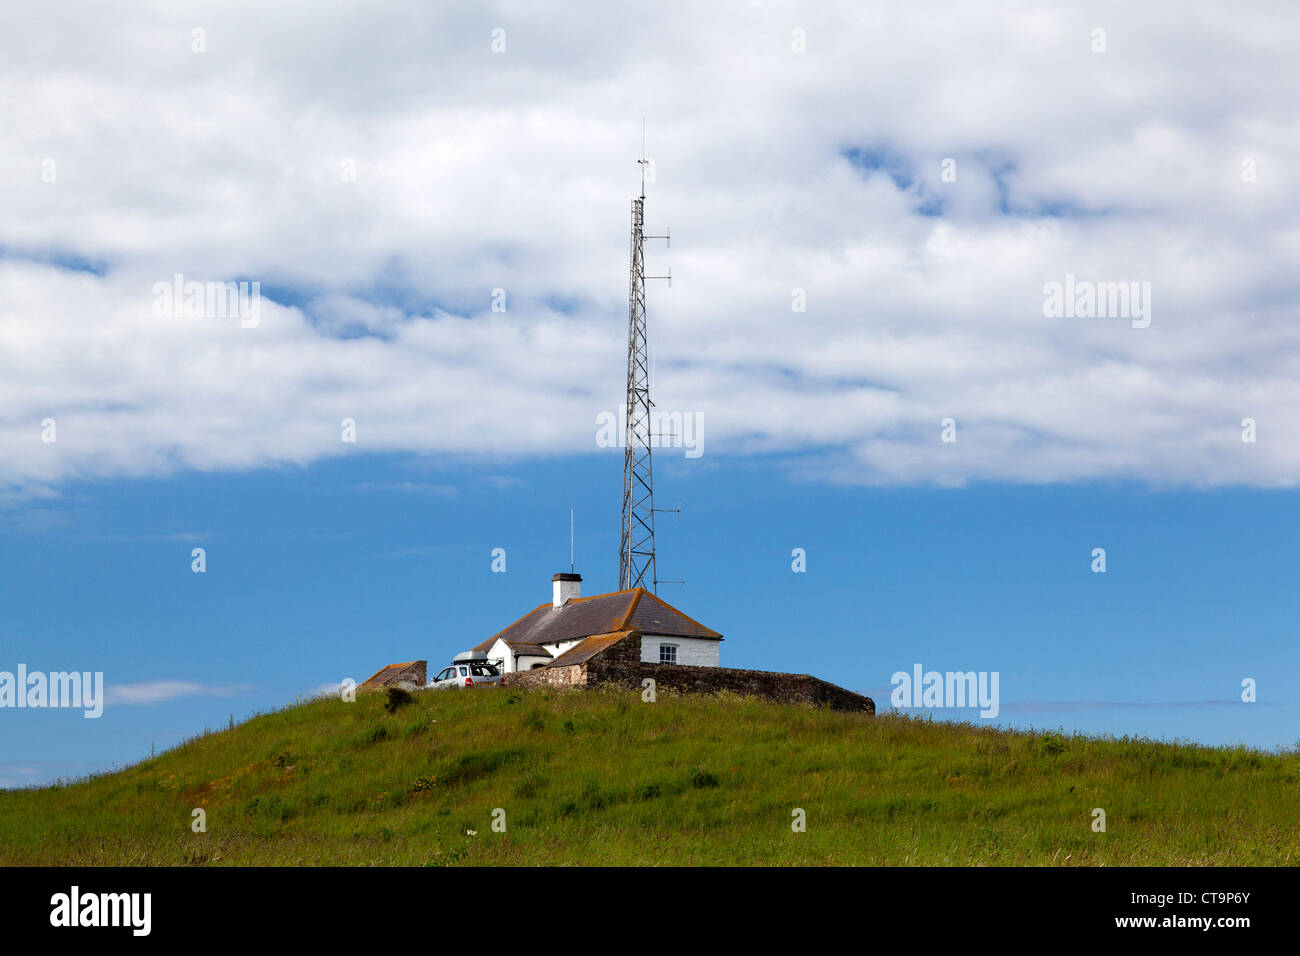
602	778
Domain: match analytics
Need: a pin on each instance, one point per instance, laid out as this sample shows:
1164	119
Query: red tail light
469	682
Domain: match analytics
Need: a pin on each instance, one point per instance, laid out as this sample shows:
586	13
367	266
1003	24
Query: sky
869	206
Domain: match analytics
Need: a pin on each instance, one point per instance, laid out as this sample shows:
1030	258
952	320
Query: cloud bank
866	204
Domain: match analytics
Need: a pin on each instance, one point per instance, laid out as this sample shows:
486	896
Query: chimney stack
565	586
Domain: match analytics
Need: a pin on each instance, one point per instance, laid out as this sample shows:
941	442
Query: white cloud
477	171
408	488
158	691
15	775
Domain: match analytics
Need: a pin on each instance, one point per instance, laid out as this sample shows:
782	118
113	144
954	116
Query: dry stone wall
620	665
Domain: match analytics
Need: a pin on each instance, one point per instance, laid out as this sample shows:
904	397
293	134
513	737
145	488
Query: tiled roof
635	609
385	674
524	647
588	648
654	616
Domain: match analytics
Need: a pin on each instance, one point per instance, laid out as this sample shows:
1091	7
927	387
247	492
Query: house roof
527	649
588	648
634	609
385	674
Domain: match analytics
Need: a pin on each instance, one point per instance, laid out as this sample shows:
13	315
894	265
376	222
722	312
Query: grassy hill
602	778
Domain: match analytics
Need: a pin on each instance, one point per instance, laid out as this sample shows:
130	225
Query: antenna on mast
643	161
570	540
636	557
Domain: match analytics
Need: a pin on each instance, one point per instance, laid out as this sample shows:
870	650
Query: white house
547	631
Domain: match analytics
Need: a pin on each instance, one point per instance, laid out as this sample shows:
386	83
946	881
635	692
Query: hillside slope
602	778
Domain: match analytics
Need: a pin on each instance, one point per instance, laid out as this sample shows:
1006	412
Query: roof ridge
631	608
674	609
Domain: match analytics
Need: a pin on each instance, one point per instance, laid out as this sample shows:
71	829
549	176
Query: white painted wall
696	651
522	662
500	649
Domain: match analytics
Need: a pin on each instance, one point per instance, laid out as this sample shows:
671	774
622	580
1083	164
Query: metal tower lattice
636	560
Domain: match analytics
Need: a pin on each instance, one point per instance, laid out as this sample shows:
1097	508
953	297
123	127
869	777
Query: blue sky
331	571
869	204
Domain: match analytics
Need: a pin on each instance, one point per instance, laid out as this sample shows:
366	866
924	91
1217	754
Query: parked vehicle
471	669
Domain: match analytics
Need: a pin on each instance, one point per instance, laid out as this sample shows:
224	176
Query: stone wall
417	675
770	685
626	651
620	665
573	676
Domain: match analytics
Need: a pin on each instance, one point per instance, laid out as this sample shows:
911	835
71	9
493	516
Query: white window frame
662	655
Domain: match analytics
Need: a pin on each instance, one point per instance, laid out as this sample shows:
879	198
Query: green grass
602	778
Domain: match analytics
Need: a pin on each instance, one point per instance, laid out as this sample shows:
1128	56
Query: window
464	672
667	653
446	674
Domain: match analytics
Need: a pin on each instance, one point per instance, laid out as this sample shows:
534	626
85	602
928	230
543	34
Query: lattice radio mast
636	559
